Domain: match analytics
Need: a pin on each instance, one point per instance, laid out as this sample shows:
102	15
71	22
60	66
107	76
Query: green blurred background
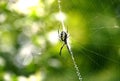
29	44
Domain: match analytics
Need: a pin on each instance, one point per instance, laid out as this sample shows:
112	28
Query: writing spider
63	35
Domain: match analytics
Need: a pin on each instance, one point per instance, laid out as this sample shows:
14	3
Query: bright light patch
116	26
27	6
53	37
22	78
35	28
49	2
60	16
32	78
26	54
2	62
54	63
7	77
2	18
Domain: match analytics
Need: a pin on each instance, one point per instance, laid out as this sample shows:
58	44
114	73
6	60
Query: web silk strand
74	62
68	46
60	12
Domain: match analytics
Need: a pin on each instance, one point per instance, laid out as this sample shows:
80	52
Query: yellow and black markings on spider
63	35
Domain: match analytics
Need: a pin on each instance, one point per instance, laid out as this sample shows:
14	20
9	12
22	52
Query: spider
63	35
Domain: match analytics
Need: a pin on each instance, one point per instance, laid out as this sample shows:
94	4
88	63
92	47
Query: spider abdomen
63	36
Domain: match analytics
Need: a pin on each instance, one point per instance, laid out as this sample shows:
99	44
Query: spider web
68	46
103	30
94	31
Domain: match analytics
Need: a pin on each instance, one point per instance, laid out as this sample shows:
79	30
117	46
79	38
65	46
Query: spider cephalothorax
63	35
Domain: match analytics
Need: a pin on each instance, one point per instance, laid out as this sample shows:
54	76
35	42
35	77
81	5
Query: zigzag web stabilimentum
67	44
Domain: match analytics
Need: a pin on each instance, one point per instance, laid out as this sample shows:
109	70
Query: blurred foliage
29	46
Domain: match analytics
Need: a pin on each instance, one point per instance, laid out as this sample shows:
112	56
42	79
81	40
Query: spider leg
67	29
59	30
61	49
67	32
58	33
